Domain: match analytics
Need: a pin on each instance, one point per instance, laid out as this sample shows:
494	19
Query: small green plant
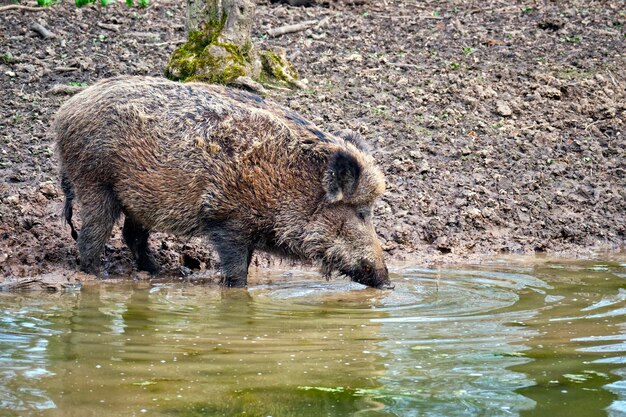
528	9
7	58
380	110
454	65
105	3
436	13
142	3
44	3
81	3
18	118
574	39
468	50
77	84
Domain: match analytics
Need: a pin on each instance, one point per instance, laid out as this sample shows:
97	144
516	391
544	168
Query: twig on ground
510	9
298	27
592	124
402	65
109	26
144	35
66	69
65	89
176	42
42	31
323	23
407	17
21	7
611	76
606	32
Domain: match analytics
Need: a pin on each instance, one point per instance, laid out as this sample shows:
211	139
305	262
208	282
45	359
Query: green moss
234	51
194	60
271	65
246	52
184	59
277	69
230	73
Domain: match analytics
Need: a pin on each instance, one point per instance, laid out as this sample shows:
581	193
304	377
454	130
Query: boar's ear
354	138
342	176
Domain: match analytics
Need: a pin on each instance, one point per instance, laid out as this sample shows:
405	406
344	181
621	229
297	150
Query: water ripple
494	340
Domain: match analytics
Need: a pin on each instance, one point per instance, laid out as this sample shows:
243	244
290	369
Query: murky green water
540	339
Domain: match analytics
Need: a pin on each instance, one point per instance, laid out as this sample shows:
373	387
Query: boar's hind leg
100	209
136	238
235	259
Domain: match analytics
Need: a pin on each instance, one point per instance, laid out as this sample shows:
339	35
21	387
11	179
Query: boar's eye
363	213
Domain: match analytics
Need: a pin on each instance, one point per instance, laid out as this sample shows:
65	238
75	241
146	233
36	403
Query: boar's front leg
235	256
100	209
136	238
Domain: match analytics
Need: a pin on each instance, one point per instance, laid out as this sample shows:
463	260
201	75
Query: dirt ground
500	125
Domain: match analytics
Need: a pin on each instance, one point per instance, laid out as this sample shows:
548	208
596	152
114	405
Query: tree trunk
238	14
219	48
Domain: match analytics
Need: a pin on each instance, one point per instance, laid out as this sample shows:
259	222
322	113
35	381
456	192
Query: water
537	338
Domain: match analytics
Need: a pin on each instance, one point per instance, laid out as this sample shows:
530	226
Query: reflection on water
503	339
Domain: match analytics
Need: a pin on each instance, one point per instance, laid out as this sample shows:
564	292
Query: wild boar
204	160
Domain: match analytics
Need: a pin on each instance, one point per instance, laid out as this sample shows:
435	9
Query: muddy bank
501	129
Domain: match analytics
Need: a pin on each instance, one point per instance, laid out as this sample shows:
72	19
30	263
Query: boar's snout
366	273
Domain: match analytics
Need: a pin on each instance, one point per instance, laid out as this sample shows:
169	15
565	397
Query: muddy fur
202	160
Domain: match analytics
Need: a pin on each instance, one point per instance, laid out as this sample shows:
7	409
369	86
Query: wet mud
500	128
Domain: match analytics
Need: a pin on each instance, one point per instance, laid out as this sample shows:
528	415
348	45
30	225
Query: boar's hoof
149	265
92	268
233	282
387	286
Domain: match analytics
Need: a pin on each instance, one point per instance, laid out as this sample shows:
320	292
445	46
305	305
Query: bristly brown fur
196	159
